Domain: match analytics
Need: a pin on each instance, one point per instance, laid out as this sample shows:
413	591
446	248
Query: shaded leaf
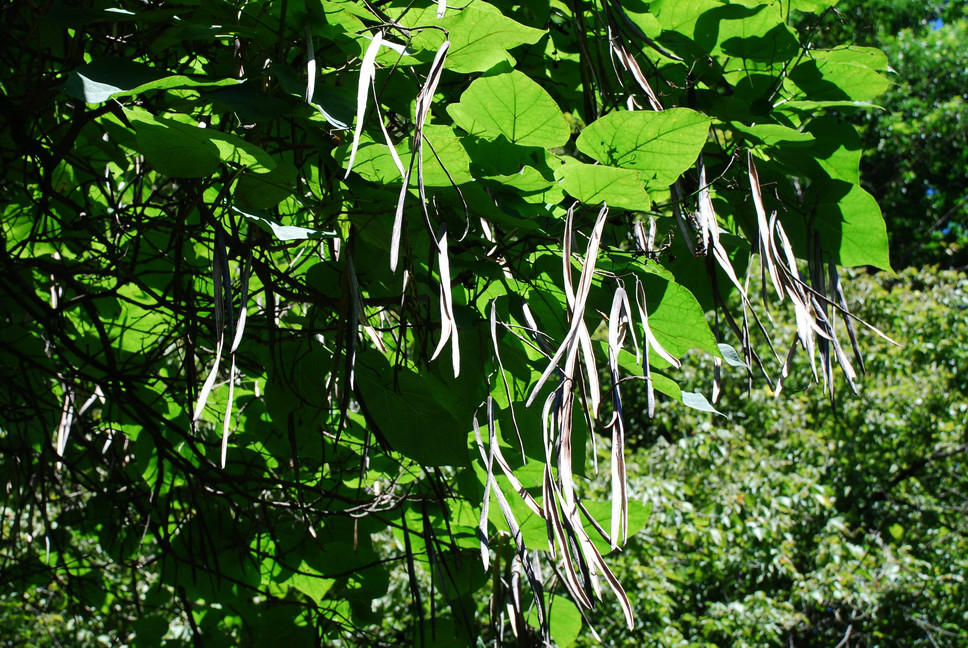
851	226
105	79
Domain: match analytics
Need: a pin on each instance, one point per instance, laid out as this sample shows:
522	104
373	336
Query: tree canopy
311	307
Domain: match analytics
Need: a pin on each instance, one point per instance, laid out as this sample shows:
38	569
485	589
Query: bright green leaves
751	34
339	414
106	79
514	106
445	160
662	145
595	184
676	319
852	74
480	35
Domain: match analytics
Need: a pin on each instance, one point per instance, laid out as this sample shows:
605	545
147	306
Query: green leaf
406	409
681	15
814	6
310	583
646	21
445	160
697	401
774	134
851	226
565	621
835	151
266	190
896	531
593	184
659	144
824	77
530	185
177	147
514	106
602	512
750	33
869	57
630	367
676	318
534	530
480	36
249	102
104	79
731	356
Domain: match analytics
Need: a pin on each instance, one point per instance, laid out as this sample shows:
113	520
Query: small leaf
731	356
697	401
284	232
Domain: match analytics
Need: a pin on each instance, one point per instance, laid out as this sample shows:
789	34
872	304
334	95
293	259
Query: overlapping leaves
551	234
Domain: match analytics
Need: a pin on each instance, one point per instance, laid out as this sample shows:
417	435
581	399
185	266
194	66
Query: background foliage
797	522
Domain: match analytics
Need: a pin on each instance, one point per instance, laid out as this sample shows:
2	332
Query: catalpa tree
316	308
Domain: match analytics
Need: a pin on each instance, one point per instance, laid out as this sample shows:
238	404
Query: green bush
794	522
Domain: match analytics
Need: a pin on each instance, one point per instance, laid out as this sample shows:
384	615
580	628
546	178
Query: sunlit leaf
595	184
514	106
661	145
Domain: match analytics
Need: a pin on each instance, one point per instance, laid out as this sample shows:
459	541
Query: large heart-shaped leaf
659	144
514	106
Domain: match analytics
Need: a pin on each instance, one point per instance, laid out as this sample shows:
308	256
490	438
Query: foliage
303	295
797	523
914	149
